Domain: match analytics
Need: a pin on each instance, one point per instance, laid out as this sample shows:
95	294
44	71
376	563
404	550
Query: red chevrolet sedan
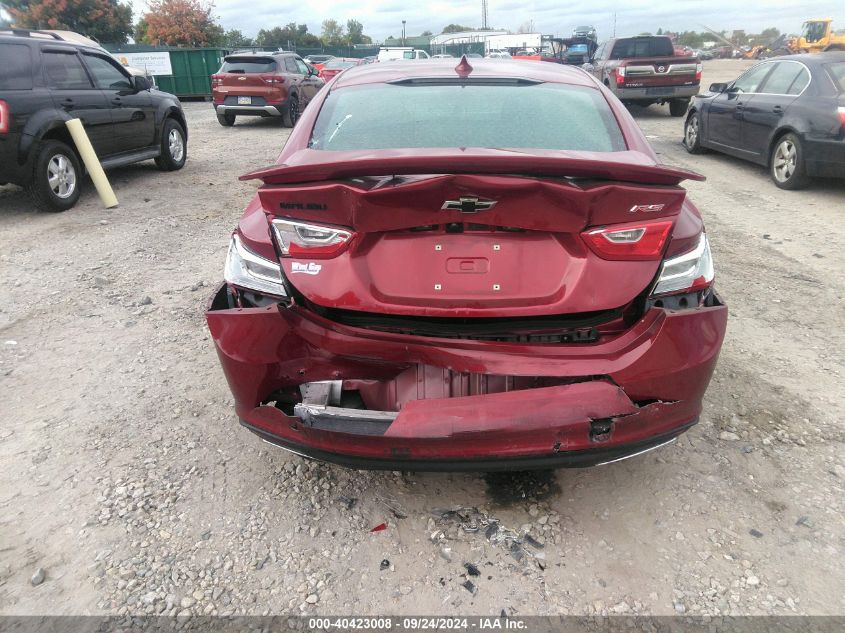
471	267
338	65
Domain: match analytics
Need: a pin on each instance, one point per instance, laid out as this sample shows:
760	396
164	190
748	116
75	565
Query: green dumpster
191	68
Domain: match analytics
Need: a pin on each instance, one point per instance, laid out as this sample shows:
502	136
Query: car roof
64	38
445	69
813	58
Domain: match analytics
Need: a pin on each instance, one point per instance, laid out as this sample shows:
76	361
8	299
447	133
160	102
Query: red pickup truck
646	70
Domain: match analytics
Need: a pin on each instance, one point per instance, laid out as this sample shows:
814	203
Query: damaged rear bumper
613	399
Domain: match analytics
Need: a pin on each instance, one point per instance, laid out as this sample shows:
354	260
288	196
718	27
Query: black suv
45	81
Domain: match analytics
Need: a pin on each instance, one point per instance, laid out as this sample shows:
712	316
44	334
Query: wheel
291	115
678	107
786	163
692	134
226	120
174	148
56	177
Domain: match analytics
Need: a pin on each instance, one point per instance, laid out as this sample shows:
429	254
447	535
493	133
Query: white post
92	163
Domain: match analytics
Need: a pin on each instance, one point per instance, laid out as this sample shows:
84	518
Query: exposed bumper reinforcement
568	459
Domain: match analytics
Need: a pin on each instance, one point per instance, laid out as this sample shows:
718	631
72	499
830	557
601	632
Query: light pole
403	32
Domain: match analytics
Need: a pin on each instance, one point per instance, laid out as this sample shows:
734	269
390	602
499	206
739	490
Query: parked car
443	56
702	54
46	81
261	84
585	31
787	114
317	61
403	293
498	55
337	65
645	70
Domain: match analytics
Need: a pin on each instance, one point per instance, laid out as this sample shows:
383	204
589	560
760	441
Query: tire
692	134
786	163
291	114
174	147
56	177
226	120
678	107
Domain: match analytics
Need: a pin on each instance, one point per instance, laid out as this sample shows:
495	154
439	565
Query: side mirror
718	87
140	83
312	71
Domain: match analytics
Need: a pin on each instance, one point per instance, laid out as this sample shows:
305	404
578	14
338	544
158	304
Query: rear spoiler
308	165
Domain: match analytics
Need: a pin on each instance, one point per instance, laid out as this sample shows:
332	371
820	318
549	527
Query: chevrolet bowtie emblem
468	205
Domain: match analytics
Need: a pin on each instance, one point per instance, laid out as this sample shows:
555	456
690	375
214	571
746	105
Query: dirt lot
127	480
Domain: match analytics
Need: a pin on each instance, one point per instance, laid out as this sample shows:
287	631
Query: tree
182	23
660	31
739	38
140	34
456	28
233	38
355	33
104	20
332	33
769	35
426	34
526	27
288	36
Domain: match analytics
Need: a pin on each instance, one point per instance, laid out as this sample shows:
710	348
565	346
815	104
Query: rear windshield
532	116
338	64
248	65
837	72
15	73
643	47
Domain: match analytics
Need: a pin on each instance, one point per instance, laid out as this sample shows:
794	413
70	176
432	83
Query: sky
383	18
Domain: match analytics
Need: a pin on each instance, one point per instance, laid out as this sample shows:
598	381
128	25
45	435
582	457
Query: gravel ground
128	486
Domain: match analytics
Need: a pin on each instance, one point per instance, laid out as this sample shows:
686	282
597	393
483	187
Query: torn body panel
429	402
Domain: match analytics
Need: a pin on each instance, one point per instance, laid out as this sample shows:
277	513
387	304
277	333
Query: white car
498	55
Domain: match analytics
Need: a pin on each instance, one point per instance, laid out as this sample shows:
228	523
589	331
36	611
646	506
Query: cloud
382	18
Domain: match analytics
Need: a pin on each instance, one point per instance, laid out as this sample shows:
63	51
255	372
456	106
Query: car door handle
67	103
777	109
116	101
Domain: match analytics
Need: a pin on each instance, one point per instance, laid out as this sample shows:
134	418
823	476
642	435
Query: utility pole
484	14
614	24
403	32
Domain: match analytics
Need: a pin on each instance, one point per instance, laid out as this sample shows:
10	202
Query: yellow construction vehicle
816	36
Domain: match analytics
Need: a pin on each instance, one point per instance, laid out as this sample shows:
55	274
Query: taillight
698	68
4	117
216	80
298	239
635	241
689	272
841	115
272	79
620	75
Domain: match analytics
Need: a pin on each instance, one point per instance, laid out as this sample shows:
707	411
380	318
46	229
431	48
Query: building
415	41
